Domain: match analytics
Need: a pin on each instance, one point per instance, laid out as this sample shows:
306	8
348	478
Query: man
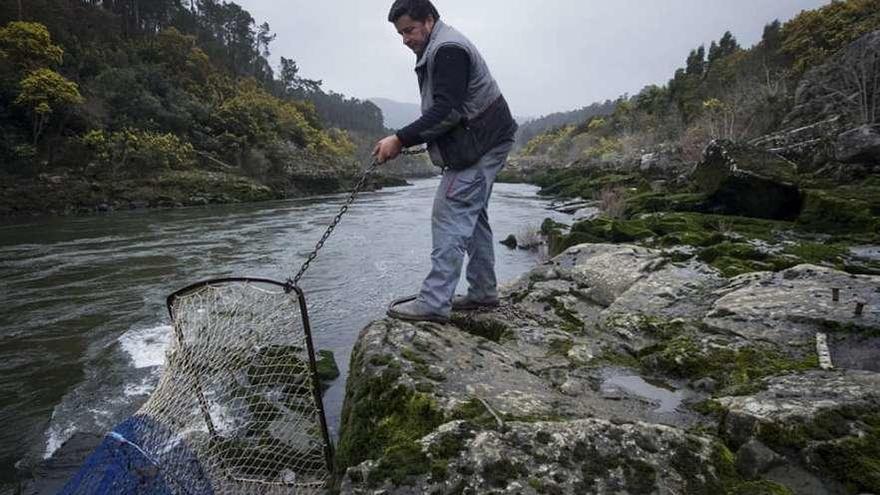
469	131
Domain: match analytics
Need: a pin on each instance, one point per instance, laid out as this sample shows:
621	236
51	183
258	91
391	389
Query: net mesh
235	410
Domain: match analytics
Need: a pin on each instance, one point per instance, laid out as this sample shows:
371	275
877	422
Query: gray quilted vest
482	91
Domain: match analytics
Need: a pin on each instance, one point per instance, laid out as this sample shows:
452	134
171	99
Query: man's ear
429	22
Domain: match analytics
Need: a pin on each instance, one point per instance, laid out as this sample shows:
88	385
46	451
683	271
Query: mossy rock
611	230
585	182
842	443
383	420
742	180
326	366
738	369
660	202
824	212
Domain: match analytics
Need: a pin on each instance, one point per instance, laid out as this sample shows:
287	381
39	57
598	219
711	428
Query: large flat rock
594	372
790	307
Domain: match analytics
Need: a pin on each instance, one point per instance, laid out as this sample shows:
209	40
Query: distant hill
533	127
397	114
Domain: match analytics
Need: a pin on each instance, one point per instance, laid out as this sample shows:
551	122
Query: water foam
146	347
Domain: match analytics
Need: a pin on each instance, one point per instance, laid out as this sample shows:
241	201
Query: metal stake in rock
860	307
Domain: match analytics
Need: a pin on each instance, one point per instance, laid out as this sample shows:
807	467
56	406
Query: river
82	303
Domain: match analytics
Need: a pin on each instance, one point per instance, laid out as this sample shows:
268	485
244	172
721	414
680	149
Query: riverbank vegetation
724	92
103	104
791	175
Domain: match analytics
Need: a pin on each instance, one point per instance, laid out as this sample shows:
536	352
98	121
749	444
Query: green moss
411	355
652	326
549	226
657	202
737	258
558	243
584	183
844	444
559	347
816	253
762	487
474	412
326	366
613	358
826	212
709	407
439	470
500	473
381	360
420	365
735	250
487	328
399	463
671	229
383	420
639	476
738	369
571	323
611	230
449	445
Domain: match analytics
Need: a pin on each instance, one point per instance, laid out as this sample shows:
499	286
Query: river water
82	318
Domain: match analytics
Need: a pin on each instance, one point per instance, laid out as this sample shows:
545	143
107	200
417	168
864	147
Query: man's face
415	34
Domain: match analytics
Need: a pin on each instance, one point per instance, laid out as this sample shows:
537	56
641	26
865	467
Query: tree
726	46
28	46
696	62
857	90
811	37
44	92
295	86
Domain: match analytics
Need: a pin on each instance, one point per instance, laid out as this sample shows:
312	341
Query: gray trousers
459	225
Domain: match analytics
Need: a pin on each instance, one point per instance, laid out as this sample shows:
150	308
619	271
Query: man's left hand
387	149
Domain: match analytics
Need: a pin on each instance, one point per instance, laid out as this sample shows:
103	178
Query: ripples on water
82	318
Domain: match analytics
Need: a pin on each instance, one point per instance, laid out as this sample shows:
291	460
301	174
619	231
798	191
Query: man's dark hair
418	10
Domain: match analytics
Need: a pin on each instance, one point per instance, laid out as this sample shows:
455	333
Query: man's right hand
387	149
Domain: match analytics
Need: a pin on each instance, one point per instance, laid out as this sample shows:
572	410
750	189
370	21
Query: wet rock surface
613	369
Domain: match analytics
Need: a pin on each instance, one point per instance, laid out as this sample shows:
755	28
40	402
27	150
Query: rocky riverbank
72	194
614	368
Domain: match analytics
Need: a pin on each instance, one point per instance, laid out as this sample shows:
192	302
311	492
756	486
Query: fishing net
237	410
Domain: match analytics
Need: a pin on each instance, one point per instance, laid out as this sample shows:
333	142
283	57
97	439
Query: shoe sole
405	317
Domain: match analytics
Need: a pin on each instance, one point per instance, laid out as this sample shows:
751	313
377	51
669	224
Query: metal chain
357	189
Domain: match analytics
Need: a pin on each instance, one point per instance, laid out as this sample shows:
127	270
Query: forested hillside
161	102
725	91
528	130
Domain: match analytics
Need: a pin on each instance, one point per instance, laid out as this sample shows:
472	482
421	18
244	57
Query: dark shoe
464	303
414	310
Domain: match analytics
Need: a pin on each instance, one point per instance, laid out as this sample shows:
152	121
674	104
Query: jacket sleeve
451	74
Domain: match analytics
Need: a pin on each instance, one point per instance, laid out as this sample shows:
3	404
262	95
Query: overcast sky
547	55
